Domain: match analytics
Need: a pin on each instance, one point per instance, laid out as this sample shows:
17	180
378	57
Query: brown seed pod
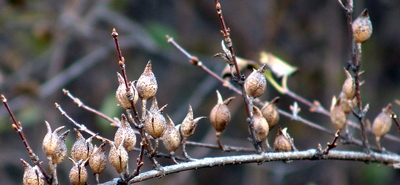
349	86
125	134
346	104
124	97
61	152
98	159
155	123
338	116
54	145
282	142
118	157
171	136
256	83
260	124
362	27
189	124
32	175
220	115
82	148
147	83
78	174
270	112
383	122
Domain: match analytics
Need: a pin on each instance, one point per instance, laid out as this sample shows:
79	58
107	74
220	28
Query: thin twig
394	117
333	144
18	127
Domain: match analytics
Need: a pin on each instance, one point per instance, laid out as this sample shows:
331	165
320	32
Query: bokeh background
49	45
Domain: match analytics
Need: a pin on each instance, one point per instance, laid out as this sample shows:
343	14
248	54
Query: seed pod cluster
270	112
282	141
256	83
78	174
220	115
382	123
362	27
123	96
261	126
171	136
125	135
337	115
147	83
155	123
54	145
118	156
82	148
32	175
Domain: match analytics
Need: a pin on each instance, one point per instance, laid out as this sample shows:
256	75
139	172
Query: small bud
147	83
383	122
123	96
82	148
155	123
362	27
125	134
118	157
220	115
270	112
338	116
256	83
171	136
78	174
189	124
349	86
32	175
260	124
98	159
282	142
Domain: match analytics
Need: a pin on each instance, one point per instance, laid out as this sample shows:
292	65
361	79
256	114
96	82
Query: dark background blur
49	45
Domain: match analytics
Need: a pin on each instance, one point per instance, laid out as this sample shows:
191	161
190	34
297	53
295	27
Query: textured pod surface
82	148
383	121
61	152
118	157
123	96
32	175
282	143
338	116
260	124
270	112
50	140
155	124
171	136
220	115
349	86
147	83
125	134
189	124
78	174
98	159
256	83
362	27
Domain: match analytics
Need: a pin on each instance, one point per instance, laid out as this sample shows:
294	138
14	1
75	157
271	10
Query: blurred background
49	45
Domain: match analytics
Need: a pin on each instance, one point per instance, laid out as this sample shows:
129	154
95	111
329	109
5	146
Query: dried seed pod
260	124
123	96
256	83
32	175
171	136
155	123
282	142
349	86
54	145
125	134
270	112
220	115
98	159
338	116
189	124
362	27
346	104
382	123
78	174
147	83
82	148
118	157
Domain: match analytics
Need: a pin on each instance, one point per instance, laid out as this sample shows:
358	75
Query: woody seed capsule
256	83
382	122
82	148
260	124
118	157
349	86
32	175
123	96
282	143
337	115
78	174
270	112
220	115
155	123
125	134
362	27
147	83
97	160
171	136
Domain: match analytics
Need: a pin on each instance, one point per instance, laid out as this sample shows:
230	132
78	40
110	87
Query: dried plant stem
394	117
53	171
19	129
